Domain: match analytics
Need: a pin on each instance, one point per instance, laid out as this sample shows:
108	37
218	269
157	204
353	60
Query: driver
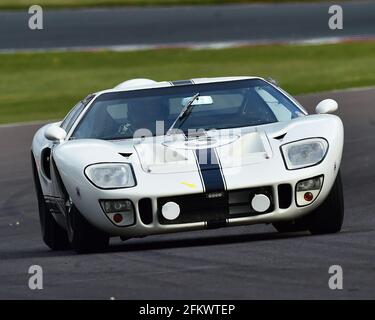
143	114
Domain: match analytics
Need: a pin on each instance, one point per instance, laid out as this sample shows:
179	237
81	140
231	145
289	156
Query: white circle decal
170	210
260	202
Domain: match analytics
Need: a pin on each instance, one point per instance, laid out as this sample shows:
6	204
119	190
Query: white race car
152	157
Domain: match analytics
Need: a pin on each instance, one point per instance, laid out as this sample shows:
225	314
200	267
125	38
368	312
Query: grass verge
37	86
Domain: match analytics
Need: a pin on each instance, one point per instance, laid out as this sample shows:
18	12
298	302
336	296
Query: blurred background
90	45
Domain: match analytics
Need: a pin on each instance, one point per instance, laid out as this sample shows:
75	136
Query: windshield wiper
184	114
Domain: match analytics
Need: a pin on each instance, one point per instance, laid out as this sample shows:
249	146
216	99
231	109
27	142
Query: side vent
285	195
46	161
145	210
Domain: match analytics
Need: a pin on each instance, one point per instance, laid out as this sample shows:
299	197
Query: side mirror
55	133
326	106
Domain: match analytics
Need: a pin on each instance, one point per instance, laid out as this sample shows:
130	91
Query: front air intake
285	195
145	210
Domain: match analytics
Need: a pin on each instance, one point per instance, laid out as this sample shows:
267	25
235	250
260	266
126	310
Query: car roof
139	84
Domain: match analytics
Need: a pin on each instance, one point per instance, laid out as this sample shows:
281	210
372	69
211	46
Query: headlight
304	153
110	175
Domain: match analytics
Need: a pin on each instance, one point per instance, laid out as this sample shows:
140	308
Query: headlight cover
304	153
110	175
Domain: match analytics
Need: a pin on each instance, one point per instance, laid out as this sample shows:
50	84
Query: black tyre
329	216
53	235
290	226
83	237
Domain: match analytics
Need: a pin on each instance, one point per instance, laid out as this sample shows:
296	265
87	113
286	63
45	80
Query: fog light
120	212
308	190
170	210
113	206
310	184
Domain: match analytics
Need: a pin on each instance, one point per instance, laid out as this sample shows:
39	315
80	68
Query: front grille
204	208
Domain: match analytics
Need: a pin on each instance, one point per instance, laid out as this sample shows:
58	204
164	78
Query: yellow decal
190	185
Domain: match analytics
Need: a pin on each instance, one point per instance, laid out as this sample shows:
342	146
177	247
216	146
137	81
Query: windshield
242	103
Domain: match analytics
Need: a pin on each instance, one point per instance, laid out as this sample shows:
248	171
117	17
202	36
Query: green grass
40	86
22	4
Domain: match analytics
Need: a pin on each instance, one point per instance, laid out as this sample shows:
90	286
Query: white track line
194	45
25	124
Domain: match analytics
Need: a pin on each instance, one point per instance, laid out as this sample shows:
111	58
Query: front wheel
290	226
83	237
54	236
329	216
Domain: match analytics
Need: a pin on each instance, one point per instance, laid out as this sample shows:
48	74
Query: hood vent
125	155
280	137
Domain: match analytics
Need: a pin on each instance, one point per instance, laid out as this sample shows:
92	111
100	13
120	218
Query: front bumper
160	187
201	214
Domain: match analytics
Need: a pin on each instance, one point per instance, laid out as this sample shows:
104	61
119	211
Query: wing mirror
326	106
55	133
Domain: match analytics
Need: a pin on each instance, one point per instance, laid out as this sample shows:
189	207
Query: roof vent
134	83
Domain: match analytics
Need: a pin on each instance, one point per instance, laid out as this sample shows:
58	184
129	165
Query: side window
293	99
72	116
279	109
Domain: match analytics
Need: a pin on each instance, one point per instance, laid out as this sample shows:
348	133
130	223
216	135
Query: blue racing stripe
210	170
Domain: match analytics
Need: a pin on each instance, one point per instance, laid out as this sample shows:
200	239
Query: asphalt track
252	262
188	24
